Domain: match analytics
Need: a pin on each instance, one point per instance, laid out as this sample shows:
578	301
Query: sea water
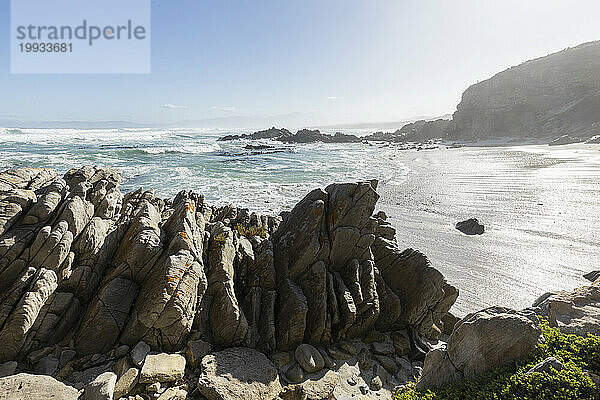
269	180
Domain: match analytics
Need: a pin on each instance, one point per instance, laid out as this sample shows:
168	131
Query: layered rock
86	274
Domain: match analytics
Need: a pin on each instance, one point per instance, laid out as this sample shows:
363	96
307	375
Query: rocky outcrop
470	227
102	290
311	136
302	136
576	311
417	295
481	342
546	97
271	133
419	131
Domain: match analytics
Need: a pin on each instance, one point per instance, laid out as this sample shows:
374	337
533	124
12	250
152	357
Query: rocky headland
553	99
109	295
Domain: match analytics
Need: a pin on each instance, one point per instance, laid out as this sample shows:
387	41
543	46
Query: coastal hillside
547	97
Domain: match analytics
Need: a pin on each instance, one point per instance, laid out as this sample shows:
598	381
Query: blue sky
303	62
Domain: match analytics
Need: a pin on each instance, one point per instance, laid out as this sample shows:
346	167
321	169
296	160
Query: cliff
547	97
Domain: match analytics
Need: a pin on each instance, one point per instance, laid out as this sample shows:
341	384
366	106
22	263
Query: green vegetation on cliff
578	355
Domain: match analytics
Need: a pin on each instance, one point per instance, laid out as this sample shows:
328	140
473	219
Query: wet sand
540	206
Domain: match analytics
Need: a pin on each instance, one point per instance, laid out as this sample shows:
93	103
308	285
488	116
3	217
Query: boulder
592	276
470	227
101	388
195	352
139	352
576	311
8	368
46	366
481	342
33	387
309	358
238	373
173	393
162	368
126	382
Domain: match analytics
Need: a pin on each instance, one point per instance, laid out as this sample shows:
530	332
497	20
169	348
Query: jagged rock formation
88	274
302	136
547	97
271	133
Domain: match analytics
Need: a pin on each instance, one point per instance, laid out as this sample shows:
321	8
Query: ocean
539	204
169	160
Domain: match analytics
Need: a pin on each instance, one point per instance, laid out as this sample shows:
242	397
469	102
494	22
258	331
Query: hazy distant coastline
553	99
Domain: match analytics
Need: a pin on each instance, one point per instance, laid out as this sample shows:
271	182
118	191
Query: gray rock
592	276
470	227
46	366
576	311
364	359
376	384
387	363
126	382
384	348
449	321
281	358
549	364
173	393
153	387
25	313
294	373
138	353
237	373
309	358
338	354
401	343
481	342
101	388
423	291
66	356
26	386
8	368
196	350
162	368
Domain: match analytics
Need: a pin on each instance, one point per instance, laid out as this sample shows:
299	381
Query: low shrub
578	354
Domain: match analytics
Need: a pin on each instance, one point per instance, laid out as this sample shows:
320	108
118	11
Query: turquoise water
169	160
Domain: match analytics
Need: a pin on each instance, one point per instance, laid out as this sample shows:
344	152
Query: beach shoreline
537	203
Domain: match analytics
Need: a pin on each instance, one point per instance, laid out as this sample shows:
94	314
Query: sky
301	62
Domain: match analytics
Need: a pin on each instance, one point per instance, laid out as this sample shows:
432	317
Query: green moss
578	354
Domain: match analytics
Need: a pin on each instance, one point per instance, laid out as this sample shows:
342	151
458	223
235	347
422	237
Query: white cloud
174	107
334	98
225	108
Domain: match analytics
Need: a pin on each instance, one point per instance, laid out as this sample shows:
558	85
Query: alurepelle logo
75	36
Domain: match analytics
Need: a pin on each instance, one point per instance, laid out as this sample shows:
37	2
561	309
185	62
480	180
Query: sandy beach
539	205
